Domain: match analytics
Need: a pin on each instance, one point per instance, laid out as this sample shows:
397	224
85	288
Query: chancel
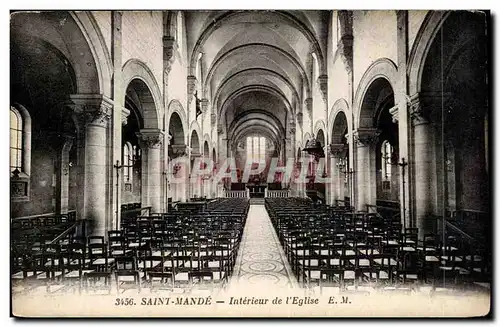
181	151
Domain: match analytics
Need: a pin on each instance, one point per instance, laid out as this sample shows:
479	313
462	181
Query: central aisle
261	260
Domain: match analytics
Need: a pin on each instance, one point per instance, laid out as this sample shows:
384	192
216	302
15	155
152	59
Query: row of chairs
166	251
359	248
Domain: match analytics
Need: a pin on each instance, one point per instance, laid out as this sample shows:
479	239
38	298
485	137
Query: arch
264	70
320	126
339	126
423	41
214	155
256	114
340	105
306	137
379	95
320	137
206	138
72	41
252	88
220	58
176	107
206	149
195	127
135	69
291	19
176	129
194	142
97	44
382	68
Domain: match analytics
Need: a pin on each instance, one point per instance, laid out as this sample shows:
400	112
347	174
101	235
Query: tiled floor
261	260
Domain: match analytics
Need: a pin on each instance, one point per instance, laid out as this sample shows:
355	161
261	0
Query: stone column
118	118
150	141
422	165
93	113
400	115
366	140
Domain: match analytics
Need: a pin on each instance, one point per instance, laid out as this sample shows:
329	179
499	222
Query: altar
257	190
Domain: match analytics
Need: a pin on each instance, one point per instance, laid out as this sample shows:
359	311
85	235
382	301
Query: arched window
249	148
386	163
198	74
256	148
262	149
128	154
179	31
16	140
315	67
20	152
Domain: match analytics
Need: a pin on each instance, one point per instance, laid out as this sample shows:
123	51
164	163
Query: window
256	148
262	149
386	160
20	153
16	140
127	162
179	31
315	71
198	74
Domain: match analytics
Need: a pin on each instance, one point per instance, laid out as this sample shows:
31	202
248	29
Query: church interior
385	113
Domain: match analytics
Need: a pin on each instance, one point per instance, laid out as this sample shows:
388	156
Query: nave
287	244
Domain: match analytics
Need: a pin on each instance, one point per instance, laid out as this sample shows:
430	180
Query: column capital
394	112
308	102
168	56
422	103
188	151
366	136
150	138
345	50
168	48
125	114
204	105
300	119
337	150
323	86
191	84
213	119
220	129
191	87
92	109
178	150
167	69
416	111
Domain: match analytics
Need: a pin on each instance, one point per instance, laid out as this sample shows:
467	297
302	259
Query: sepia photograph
250	163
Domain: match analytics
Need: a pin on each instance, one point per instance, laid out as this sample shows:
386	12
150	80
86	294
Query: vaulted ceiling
256	65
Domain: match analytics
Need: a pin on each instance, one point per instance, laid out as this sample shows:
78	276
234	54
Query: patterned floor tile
261	260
